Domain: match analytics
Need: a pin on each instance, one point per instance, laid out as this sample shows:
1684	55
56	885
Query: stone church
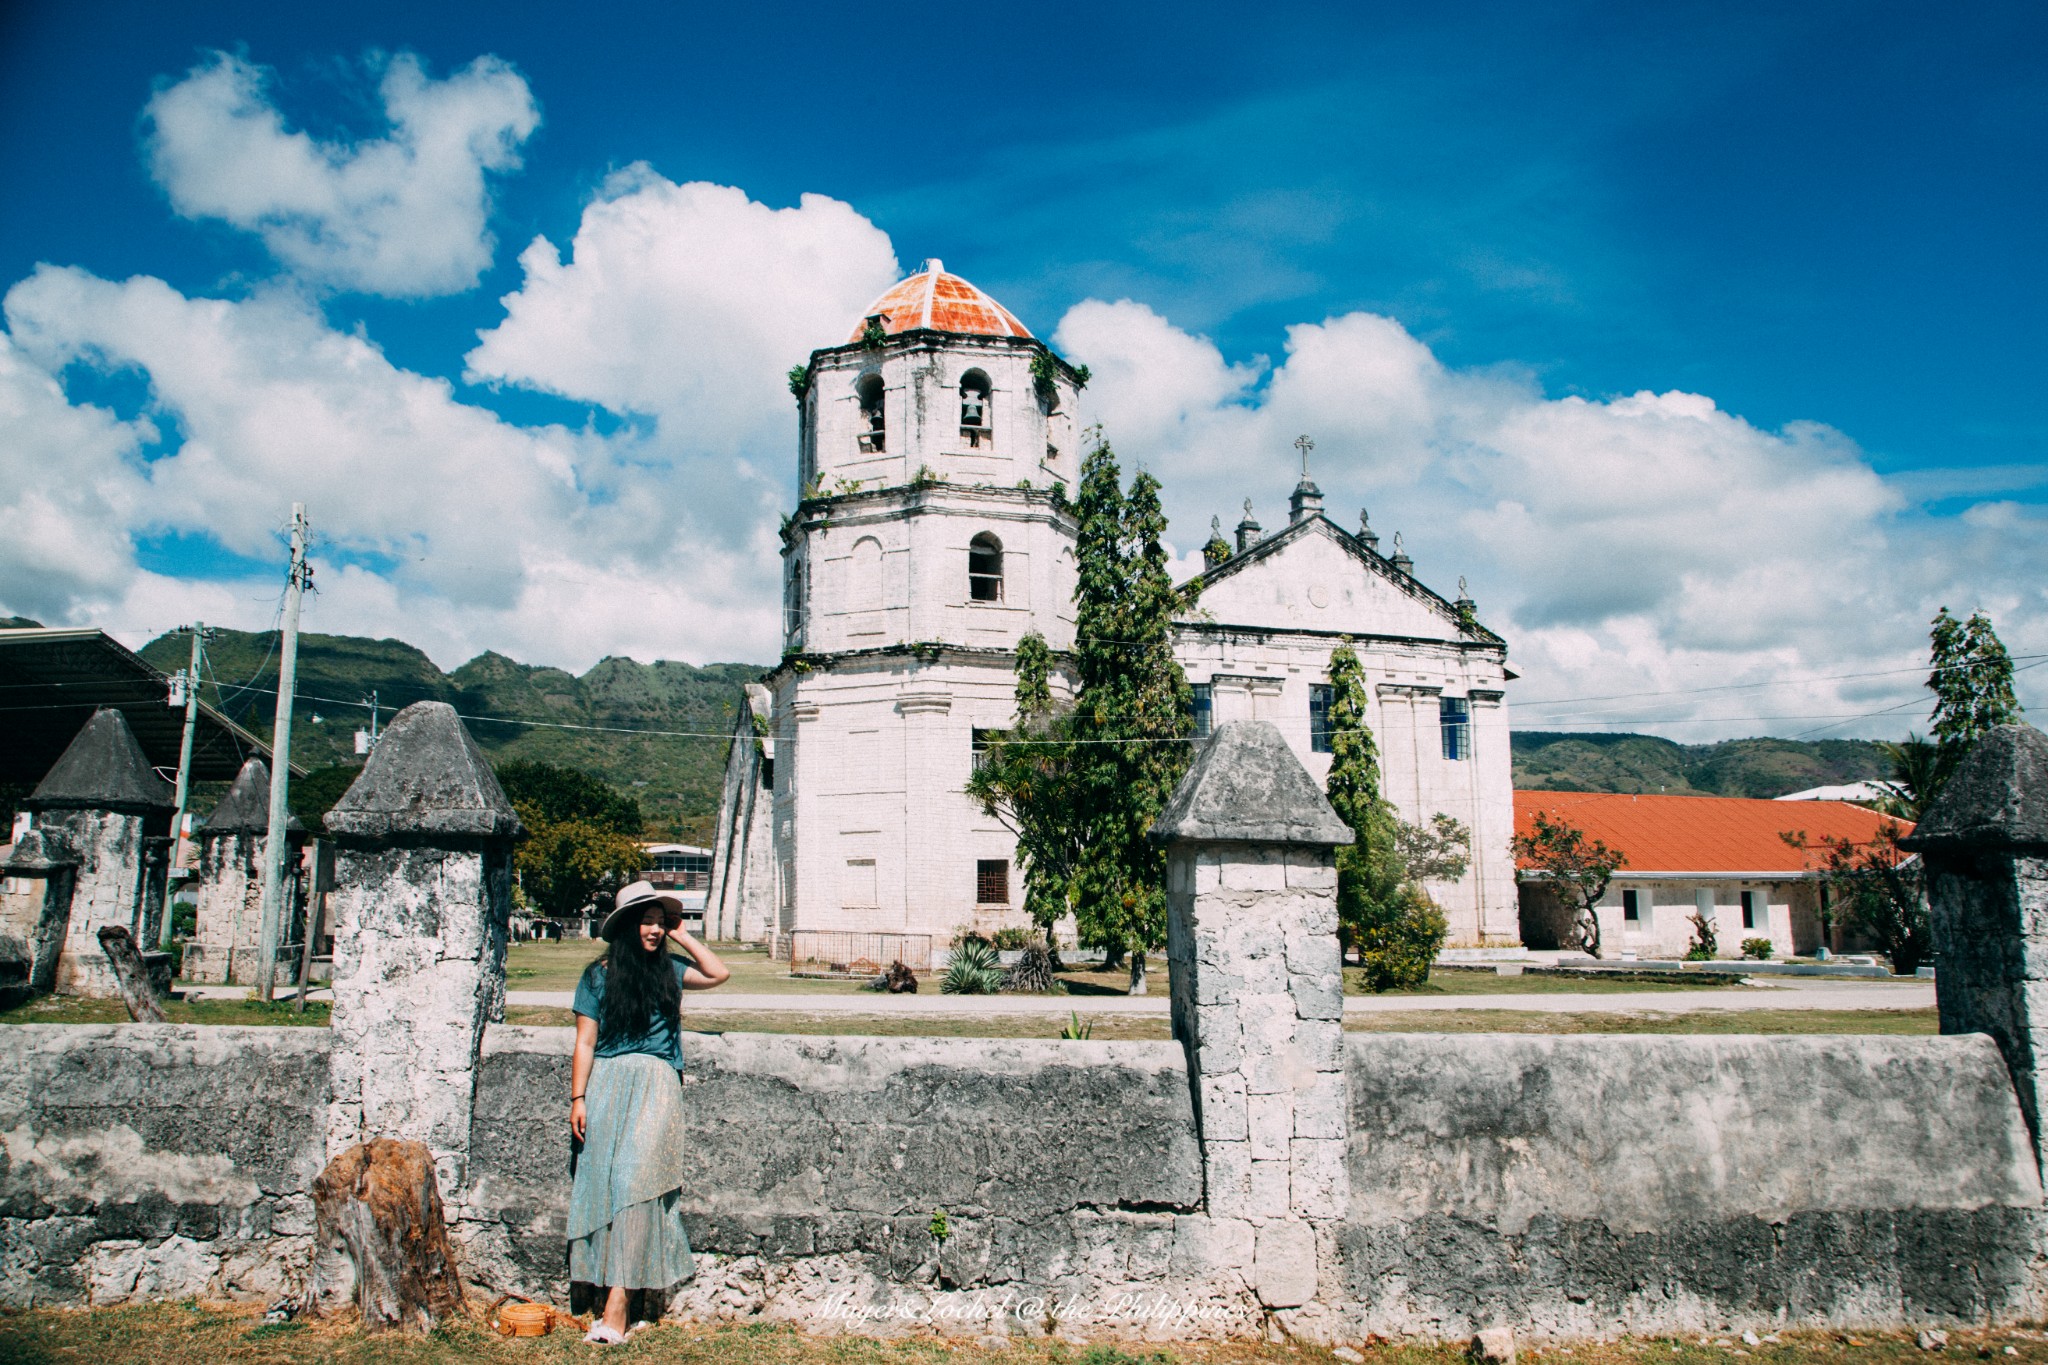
927	542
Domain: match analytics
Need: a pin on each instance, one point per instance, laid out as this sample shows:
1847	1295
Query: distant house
686	870
1722	857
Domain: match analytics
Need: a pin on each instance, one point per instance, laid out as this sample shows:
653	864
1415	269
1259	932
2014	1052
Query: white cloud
70	487
688	303
404	215
436	519
1646	543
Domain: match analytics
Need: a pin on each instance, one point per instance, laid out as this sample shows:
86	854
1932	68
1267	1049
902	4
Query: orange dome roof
945	303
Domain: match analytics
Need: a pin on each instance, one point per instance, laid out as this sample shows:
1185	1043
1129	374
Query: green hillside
676	780
1553	761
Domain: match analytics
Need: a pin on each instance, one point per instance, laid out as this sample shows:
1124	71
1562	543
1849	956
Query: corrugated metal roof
1716	835
51	682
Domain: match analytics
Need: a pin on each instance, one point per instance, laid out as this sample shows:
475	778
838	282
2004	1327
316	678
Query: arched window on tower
793	606
874	436
977	415
985	569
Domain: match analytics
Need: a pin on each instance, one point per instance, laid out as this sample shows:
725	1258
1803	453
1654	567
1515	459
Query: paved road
1790	993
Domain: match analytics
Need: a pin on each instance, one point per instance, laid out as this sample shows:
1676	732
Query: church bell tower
930	536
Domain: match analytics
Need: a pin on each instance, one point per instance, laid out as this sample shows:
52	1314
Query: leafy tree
1439	851
582	836
1971	681
545	793
1131	713
312	796
565	865
1578	868
1027	780
1880	888
1382	914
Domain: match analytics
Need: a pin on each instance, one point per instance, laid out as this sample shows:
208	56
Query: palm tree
1919	769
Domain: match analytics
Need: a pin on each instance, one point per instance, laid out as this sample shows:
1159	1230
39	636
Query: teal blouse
659	1040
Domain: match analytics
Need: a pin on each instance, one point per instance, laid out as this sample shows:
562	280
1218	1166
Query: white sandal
602	1333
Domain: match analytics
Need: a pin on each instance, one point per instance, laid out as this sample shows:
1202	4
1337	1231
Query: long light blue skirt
625	1227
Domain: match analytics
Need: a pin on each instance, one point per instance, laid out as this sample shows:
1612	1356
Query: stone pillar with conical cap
422	895
224	942
1985	847
1258	1005
111	812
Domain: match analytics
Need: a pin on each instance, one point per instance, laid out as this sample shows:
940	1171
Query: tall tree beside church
1382	913
1971	680
1026	779
1132	713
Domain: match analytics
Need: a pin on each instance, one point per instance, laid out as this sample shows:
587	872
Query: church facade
928	542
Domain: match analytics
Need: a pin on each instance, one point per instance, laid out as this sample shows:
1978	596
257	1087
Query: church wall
1266	675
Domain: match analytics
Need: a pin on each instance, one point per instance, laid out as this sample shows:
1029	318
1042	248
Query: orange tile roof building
1722	857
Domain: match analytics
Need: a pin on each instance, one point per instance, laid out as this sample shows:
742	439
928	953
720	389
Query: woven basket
525	1319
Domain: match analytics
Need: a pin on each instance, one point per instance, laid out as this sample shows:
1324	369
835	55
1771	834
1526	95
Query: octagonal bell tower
932	533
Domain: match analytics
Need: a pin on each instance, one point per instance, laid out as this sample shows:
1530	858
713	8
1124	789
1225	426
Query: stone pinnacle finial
1399	559
1365	531
102	769
1248	529
426	777
1997	799
1247	787
246	807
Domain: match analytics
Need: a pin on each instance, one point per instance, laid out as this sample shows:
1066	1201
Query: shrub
1757	949
1705	947
1397	943
971	970
1013	938
1074	1031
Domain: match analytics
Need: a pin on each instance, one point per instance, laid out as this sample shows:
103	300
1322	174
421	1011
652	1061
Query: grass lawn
555	967
65	1009
1129	1027
201	1334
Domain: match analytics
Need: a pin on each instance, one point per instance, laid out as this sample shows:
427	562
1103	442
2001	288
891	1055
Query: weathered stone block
1271	1186
1225	1117
1271	1124
1284	1264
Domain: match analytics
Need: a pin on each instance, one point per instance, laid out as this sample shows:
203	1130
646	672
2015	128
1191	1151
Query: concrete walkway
1796	994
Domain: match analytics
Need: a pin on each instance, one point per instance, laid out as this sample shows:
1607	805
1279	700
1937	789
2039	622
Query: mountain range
590	722
515	710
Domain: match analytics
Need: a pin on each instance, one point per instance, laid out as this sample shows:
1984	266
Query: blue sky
1825	219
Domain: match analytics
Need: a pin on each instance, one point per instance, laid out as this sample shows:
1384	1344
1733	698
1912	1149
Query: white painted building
929	542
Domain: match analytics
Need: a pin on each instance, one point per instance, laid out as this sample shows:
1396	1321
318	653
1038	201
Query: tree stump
130	975
378	1201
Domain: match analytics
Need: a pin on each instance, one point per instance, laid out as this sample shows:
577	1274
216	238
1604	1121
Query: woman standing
626	1104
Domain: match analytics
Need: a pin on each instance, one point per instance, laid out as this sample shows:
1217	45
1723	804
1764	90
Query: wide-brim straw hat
633	900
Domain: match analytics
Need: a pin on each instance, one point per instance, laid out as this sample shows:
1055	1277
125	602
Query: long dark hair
640	988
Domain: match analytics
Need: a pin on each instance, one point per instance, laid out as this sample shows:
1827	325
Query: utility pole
281	762
184	779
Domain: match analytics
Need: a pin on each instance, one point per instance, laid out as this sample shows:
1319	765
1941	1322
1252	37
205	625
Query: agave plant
971	970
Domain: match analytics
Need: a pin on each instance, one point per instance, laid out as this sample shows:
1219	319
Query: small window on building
985	569
1632	906
980	746
992	881
793	606
1319	697
977	415
1752	908
768	774
1456	715
874	436
1205	709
